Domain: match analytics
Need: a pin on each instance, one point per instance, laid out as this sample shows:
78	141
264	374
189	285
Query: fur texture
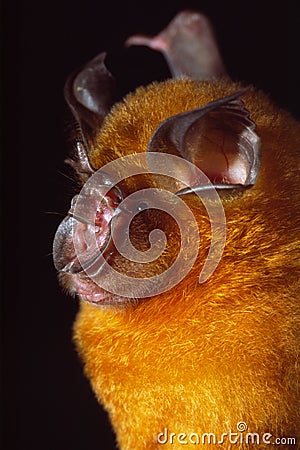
201	358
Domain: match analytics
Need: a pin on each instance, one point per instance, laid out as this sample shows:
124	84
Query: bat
183	248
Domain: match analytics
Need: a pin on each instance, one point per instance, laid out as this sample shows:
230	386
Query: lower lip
94	298
89	292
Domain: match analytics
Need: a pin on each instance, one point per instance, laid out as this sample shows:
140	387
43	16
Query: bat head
140	163
168	161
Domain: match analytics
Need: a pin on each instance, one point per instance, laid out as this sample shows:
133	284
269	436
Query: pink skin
87	240
189	46
88	290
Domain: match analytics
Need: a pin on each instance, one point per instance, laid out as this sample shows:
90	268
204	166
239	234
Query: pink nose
78	244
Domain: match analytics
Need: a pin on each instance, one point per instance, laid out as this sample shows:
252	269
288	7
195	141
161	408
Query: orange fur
202	357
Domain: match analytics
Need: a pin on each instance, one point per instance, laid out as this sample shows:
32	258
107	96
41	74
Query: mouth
78	274
88	291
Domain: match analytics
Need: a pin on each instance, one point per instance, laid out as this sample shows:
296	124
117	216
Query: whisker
55	213
47	255
73	180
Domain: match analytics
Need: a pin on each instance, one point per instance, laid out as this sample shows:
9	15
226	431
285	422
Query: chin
88	291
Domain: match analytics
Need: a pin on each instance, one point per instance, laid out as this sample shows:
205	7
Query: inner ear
217	148
218	138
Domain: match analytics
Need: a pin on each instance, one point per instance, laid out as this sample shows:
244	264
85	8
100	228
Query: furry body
202	357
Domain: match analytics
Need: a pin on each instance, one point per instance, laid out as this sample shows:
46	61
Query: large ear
88	92
219	138
189	46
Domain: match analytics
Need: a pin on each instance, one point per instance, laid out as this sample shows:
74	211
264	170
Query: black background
46	401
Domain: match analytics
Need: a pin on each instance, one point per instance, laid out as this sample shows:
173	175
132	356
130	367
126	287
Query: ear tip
88	92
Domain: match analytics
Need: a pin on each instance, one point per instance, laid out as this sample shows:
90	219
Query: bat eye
132	207
142	206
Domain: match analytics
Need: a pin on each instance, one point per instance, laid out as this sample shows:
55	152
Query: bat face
186	216
219	142
198	143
